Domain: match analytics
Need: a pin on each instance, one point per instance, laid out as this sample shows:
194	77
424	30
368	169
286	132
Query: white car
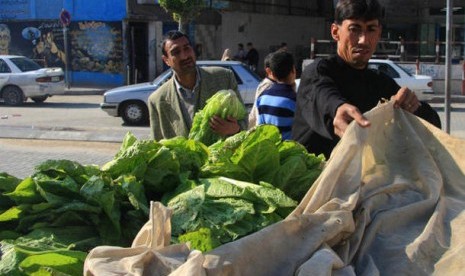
130	102
22	78
422	85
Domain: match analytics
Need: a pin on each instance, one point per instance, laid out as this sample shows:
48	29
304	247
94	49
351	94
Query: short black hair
281	63
172	35
357	9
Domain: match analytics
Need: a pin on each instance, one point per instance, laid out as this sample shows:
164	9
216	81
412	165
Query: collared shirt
189	98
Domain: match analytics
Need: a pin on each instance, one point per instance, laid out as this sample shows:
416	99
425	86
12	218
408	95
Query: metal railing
401	50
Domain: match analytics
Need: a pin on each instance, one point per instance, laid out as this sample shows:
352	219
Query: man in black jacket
252	57
336	90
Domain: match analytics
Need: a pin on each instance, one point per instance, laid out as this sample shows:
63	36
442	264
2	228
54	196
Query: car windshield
403	69
162	78
25	64
256	76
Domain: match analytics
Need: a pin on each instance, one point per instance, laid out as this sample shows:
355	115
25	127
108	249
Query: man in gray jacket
173	105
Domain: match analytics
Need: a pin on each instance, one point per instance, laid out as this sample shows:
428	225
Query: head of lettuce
224	104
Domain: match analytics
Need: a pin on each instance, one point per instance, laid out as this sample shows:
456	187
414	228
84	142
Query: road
68	117
64	127
73	127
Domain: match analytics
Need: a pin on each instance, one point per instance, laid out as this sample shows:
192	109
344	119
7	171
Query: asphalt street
22	149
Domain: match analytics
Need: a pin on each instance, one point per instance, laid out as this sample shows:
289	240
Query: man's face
356	40
4	42
180	55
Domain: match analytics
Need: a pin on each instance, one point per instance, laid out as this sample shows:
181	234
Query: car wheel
12	95
39	99
134	113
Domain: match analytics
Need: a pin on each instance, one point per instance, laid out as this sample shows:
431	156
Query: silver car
22	78
130	102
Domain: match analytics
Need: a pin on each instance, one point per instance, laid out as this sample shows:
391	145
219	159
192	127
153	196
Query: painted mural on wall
42	41
94	46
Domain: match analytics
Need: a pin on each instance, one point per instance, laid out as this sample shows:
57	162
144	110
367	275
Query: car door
247	83
5	73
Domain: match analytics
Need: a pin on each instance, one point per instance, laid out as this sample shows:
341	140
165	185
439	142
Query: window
25	64
384	68
4	67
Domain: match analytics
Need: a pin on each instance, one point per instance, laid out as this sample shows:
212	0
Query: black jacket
325	85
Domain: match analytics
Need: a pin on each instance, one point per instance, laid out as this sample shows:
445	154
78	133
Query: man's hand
345	113
406	99
224	127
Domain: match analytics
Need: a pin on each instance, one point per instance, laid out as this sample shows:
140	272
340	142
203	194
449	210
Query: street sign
65	17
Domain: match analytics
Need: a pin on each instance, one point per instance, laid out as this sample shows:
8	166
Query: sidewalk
86	90
454	98
437	98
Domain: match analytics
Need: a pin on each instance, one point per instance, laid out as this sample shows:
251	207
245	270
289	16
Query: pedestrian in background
283	46
226	55
276	104
173	105
240	55
252	57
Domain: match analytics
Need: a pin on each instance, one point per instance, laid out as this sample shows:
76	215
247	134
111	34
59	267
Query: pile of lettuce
51	219
225	103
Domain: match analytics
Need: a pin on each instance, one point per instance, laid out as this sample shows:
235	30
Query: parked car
130	102
22	78
422	85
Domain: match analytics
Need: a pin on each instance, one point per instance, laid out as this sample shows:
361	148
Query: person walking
173	105
335	91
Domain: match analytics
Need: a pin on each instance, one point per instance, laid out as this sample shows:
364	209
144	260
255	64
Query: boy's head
280	64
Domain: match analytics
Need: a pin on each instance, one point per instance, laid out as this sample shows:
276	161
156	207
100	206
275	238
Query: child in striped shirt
276	104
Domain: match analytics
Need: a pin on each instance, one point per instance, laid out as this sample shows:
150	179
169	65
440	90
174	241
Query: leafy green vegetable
229	208
202	239
260	155
133	159
224	103
219	193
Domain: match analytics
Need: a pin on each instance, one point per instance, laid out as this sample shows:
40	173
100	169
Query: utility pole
449	13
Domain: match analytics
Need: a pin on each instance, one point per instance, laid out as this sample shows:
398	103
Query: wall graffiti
39	40
96	46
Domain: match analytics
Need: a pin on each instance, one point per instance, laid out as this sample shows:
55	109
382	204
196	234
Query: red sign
65	17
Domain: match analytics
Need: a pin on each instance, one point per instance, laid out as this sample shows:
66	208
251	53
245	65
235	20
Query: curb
453	99
85	91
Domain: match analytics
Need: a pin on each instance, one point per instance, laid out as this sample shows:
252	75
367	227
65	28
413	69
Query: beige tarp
390	201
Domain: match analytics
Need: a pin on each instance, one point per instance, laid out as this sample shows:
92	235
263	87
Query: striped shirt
276	106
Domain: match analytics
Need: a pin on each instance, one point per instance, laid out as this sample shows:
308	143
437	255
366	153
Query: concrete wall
264	31
268	31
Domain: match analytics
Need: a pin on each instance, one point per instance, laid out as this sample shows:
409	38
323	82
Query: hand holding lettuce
225	103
